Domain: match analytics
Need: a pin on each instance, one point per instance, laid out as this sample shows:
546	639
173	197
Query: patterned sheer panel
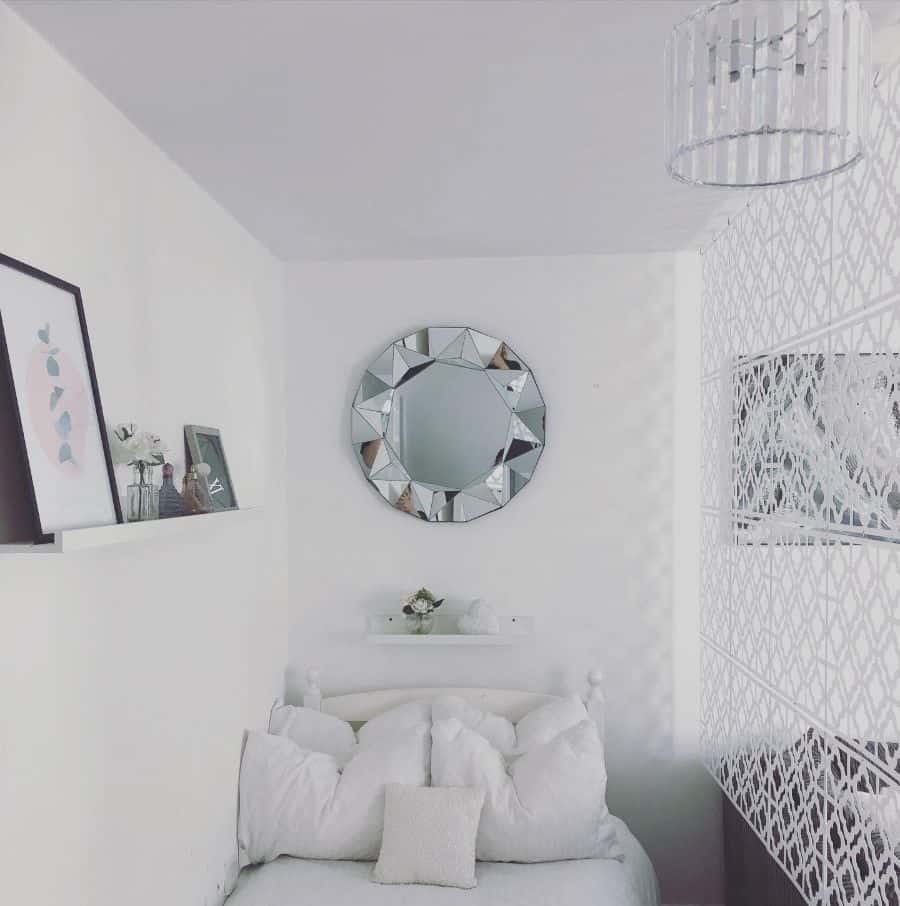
800	589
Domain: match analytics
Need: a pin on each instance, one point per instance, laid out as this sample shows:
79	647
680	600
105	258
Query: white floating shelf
390	629
127	533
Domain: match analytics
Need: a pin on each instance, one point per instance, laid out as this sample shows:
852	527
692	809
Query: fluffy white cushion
319	732
534	729
549	804
429	836
497	730
296	802
394	721
883	811
315	731
548	721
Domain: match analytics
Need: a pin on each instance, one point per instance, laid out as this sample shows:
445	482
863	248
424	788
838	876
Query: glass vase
153	503
419	623
137	498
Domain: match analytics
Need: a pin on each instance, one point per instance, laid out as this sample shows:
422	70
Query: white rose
159	447
141	445
420	605
118	445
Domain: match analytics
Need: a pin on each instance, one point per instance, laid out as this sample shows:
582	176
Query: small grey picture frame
204	444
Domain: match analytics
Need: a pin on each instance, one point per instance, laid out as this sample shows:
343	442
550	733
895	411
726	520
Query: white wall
587	548
127	674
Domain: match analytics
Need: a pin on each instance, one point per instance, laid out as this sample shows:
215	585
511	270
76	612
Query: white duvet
588	882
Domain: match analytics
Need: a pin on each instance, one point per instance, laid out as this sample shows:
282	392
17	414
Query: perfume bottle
196	496
170	501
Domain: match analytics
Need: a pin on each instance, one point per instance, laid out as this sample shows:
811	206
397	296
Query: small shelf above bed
127	533
390	629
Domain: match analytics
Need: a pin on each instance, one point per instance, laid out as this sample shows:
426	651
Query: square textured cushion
295	802
429	836
548	804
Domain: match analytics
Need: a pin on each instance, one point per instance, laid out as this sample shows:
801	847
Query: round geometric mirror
448	424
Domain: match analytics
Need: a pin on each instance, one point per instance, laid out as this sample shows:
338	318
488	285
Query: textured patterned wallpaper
800	589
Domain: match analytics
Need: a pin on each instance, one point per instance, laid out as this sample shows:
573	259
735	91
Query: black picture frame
40	533
199	442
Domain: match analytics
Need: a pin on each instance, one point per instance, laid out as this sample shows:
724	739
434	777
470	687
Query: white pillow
535	728
315	731
319	732
883	811
395	721
296	802
548	721
549	805
497	730
429	836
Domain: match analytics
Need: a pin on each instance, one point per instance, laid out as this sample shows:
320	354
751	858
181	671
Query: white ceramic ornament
479	619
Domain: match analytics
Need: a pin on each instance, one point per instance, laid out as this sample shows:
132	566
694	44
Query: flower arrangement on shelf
419	608
143	451
132	447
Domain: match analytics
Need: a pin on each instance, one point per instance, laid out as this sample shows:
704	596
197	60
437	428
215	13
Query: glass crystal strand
701	90
718	66
773	68
830	64
759	94
728	71
743	89
676	74
752	117
850	50
818	102
806	83
785	24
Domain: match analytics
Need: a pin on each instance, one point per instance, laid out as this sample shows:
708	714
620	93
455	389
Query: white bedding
589	882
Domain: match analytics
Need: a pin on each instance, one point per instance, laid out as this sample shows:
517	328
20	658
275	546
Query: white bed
589	882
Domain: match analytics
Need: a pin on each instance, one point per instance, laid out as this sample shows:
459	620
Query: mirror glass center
448	424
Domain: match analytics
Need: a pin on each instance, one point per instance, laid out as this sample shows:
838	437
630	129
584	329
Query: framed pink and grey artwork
45	355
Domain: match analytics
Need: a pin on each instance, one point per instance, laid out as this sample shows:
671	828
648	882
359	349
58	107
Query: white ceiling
396	129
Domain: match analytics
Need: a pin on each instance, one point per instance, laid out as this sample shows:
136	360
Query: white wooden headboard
358	707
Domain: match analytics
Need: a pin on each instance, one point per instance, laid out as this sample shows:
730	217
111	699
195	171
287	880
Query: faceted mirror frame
448	424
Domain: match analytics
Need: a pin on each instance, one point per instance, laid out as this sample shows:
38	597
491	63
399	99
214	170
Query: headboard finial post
312	695
595	702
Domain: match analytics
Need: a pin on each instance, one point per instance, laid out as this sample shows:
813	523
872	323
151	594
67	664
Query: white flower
121	443
420	605
131	446
158	448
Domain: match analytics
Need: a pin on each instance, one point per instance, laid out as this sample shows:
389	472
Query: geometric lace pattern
800	560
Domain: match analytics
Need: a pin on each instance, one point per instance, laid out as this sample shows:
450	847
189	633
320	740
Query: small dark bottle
170	501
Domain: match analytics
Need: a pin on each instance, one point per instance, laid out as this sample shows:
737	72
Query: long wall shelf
390	629
127	533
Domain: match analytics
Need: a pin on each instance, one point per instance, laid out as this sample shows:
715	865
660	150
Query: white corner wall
588	548
127	674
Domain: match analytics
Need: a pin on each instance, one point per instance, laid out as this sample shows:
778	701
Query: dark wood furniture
752	876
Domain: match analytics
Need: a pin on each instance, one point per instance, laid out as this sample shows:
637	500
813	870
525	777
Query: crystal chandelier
767	92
